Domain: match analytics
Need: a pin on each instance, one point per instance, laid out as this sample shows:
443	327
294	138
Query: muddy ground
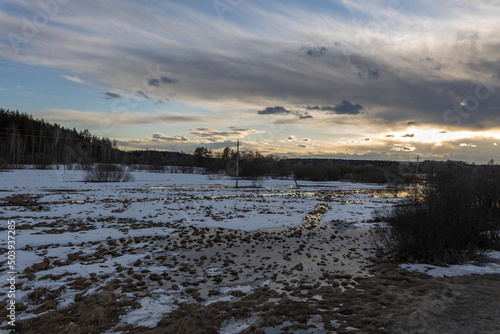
380	298
319	277
392	301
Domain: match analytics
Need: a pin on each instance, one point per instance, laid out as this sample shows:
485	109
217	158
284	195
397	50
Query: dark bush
108	173
453	218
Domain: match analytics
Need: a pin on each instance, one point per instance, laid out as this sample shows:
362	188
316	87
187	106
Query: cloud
467	145
317	51
111	95
373	74
274	111
305	116
166	80
161	136
403	148
70	116
283	111
302	145
256	61
389	136
292	138
142	94
365	140
213	136
343	108
154	82
365	72
411	123
74	79
408	135
306	139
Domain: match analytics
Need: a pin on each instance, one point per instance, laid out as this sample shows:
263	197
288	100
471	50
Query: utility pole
237	160
416	177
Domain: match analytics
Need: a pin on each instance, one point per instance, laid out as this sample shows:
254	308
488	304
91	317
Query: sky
351	79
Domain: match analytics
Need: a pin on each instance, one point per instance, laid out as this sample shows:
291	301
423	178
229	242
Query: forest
29	141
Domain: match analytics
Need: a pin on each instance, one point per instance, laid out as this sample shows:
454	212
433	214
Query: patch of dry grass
93	314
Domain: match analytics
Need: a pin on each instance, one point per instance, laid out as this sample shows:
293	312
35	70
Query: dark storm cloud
111	95
317	51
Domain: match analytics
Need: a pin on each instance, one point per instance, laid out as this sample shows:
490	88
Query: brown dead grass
94	314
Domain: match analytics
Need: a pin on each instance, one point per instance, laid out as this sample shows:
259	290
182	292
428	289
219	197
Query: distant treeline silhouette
25	140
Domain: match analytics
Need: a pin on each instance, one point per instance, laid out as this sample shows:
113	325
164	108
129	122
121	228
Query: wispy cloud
94	118
74	79
111	95
161	136
213	135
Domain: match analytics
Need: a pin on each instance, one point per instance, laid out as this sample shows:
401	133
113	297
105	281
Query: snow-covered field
168	238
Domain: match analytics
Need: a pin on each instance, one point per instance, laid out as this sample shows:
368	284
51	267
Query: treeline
26	140
253	165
